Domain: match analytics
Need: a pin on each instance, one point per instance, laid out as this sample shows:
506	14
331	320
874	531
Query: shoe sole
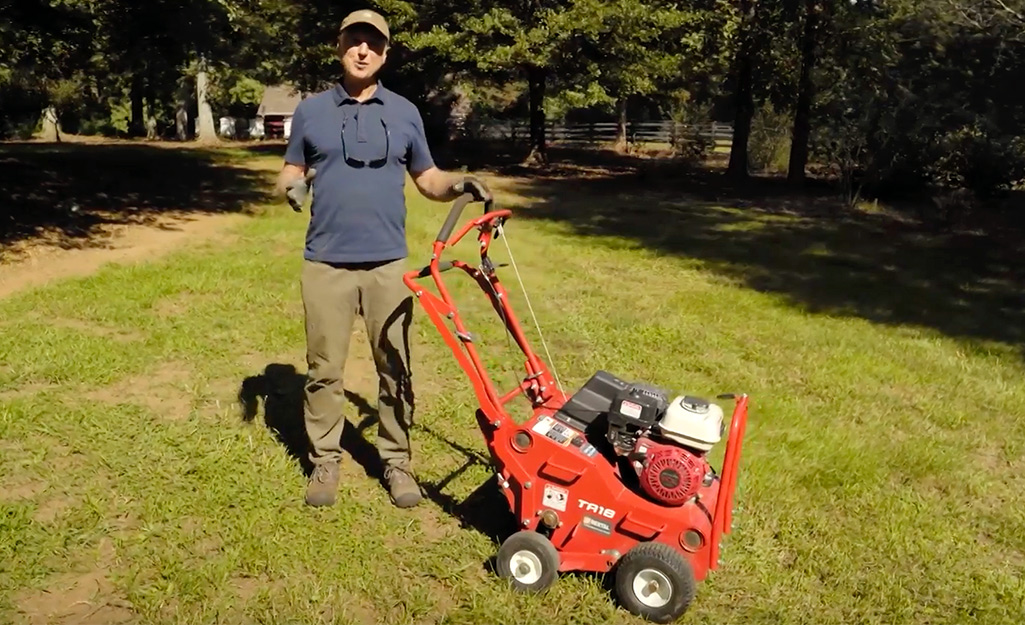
406	500
320	503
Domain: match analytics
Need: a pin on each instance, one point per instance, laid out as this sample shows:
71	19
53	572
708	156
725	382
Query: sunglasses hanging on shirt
374	164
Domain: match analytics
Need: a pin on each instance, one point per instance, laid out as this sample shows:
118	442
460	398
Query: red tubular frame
722	520
539	387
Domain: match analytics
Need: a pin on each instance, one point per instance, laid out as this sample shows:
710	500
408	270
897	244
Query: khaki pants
333	295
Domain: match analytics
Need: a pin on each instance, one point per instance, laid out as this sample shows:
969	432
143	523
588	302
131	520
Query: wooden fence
665	131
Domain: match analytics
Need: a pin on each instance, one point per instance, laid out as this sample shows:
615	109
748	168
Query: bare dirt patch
50	509
88	327
181	304
82	596
27	390
435	529
160	391
42	260
353	607
248	587
256	361
22	490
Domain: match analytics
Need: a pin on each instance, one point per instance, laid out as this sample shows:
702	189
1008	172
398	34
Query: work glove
296	190
475	187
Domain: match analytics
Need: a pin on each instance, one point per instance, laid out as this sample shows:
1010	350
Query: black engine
622	420
634	411
616	411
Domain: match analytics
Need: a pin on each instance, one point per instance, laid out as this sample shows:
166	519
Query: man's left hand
475	187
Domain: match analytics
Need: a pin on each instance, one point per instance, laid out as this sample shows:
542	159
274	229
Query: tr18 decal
608	513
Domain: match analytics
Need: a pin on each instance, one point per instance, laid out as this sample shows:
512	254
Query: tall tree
1002	16
917	99
746	47
627	49
805	94
588	52
519	38
47	50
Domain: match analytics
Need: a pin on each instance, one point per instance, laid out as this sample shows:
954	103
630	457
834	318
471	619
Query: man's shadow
280	388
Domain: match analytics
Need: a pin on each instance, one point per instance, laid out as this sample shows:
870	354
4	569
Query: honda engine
665	441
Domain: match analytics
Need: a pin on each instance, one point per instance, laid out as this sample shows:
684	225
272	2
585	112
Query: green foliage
594	51
1004	18
920	101
909	95
120	115
48	39
232	93
21	102
770	140
623	49
688	115
972	158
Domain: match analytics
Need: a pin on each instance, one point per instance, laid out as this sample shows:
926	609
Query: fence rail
604	132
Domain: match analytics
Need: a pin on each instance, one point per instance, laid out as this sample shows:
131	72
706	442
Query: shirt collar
341	96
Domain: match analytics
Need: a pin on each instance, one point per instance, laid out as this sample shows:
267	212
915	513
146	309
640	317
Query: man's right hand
474	186
297	189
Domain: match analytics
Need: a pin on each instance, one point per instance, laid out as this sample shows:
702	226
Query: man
355	143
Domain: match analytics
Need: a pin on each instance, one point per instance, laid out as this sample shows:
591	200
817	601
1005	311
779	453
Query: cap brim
364	22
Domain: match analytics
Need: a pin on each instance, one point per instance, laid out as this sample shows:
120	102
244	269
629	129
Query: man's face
362	50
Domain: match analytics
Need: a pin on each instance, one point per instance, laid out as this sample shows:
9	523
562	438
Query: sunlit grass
881	480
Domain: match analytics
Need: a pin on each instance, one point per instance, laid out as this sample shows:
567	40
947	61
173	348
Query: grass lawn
881	481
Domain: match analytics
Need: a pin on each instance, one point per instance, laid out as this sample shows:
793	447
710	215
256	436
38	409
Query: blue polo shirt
361	151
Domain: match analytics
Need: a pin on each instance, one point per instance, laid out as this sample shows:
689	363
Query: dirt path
39	261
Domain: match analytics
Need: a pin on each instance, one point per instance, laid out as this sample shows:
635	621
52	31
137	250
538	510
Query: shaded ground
67	194
890	268
819	256
277	393
885	267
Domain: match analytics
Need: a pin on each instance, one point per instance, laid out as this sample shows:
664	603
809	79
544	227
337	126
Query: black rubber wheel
529	561
655	582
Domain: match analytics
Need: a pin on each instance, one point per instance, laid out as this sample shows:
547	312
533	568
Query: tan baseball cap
366	16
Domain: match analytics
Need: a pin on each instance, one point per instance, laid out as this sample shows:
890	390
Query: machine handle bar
455	213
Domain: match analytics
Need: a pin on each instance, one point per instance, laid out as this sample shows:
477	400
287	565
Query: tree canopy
893	95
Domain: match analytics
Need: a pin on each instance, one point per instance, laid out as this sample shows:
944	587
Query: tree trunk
742	121
802	114
181	122
51	130
151	107
205	131
137	126
743	95
538	142
621	126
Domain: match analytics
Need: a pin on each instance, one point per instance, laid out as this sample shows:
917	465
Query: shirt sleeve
295	152
420	158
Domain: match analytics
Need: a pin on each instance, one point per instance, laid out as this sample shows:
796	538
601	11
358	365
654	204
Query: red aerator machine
614	478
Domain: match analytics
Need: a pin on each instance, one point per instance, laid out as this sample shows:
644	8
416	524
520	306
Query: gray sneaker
322	489
405	492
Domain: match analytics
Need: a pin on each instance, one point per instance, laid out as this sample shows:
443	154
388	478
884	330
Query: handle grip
455	213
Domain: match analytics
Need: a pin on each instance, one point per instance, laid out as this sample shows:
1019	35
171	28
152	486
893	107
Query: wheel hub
526	567
652	588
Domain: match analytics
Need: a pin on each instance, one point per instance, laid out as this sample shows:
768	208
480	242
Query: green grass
880	484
